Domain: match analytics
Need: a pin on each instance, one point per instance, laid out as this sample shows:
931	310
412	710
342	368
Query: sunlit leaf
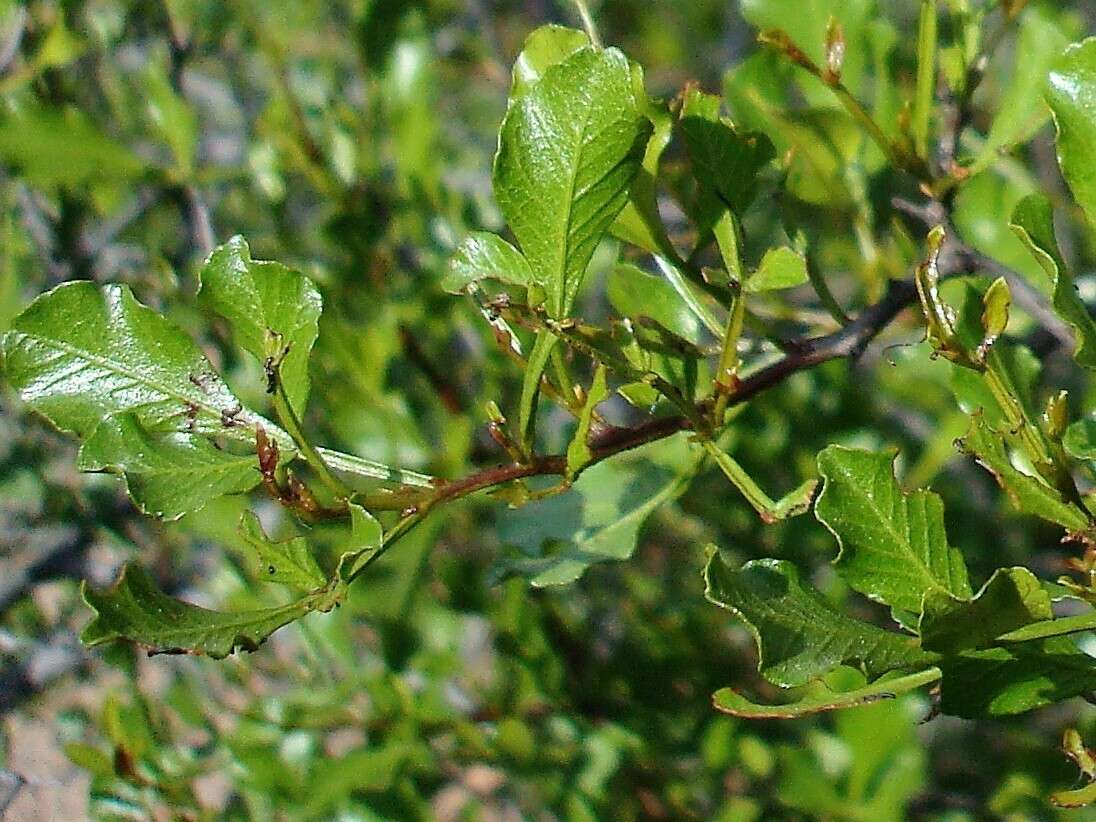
485	256
1071	92
81	352
893	546
568	150
274	312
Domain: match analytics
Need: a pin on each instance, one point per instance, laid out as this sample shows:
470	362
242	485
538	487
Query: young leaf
80	352
274	312
731	702
1085	759
578	452
1003	681
799	635
1029	494
1071	92
289	562
568	150
599	519
1012	598
780	268
134	609
485	256
892	545
167	473
1033	222
547	46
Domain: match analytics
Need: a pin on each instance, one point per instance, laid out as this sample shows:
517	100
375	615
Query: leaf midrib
111	365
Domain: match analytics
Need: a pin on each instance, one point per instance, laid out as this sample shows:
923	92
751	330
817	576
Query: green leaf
289	562
134	609
1071	92
1051	627
893	547
1080	439
578	452
725	161
545	47
274	311
52	147
485	256
806	22
996	304
1030	494
1020	111
172	117
80	352
167	473
799	635
1033	222
1005	681
568	150
366	538
780	268
1018	369
599	519
530	386
886	687
635	293
1012	598
640	223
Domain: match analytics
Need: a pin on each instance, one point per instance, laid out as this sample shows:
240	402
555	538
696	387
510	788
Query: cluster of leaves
593	177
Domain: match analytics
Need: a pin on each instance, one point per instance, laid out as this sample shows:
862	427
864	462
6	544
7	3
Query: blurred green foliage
352	141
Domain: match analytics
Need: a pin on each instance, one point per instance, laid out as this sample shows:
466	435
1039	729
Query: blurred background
353	140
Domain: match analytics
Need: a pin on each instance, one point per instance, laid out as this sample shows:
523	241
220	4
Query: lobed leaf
167	473
893	547
886	687
79	353
1030	494
273	311
799	635
1011	599
134	609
